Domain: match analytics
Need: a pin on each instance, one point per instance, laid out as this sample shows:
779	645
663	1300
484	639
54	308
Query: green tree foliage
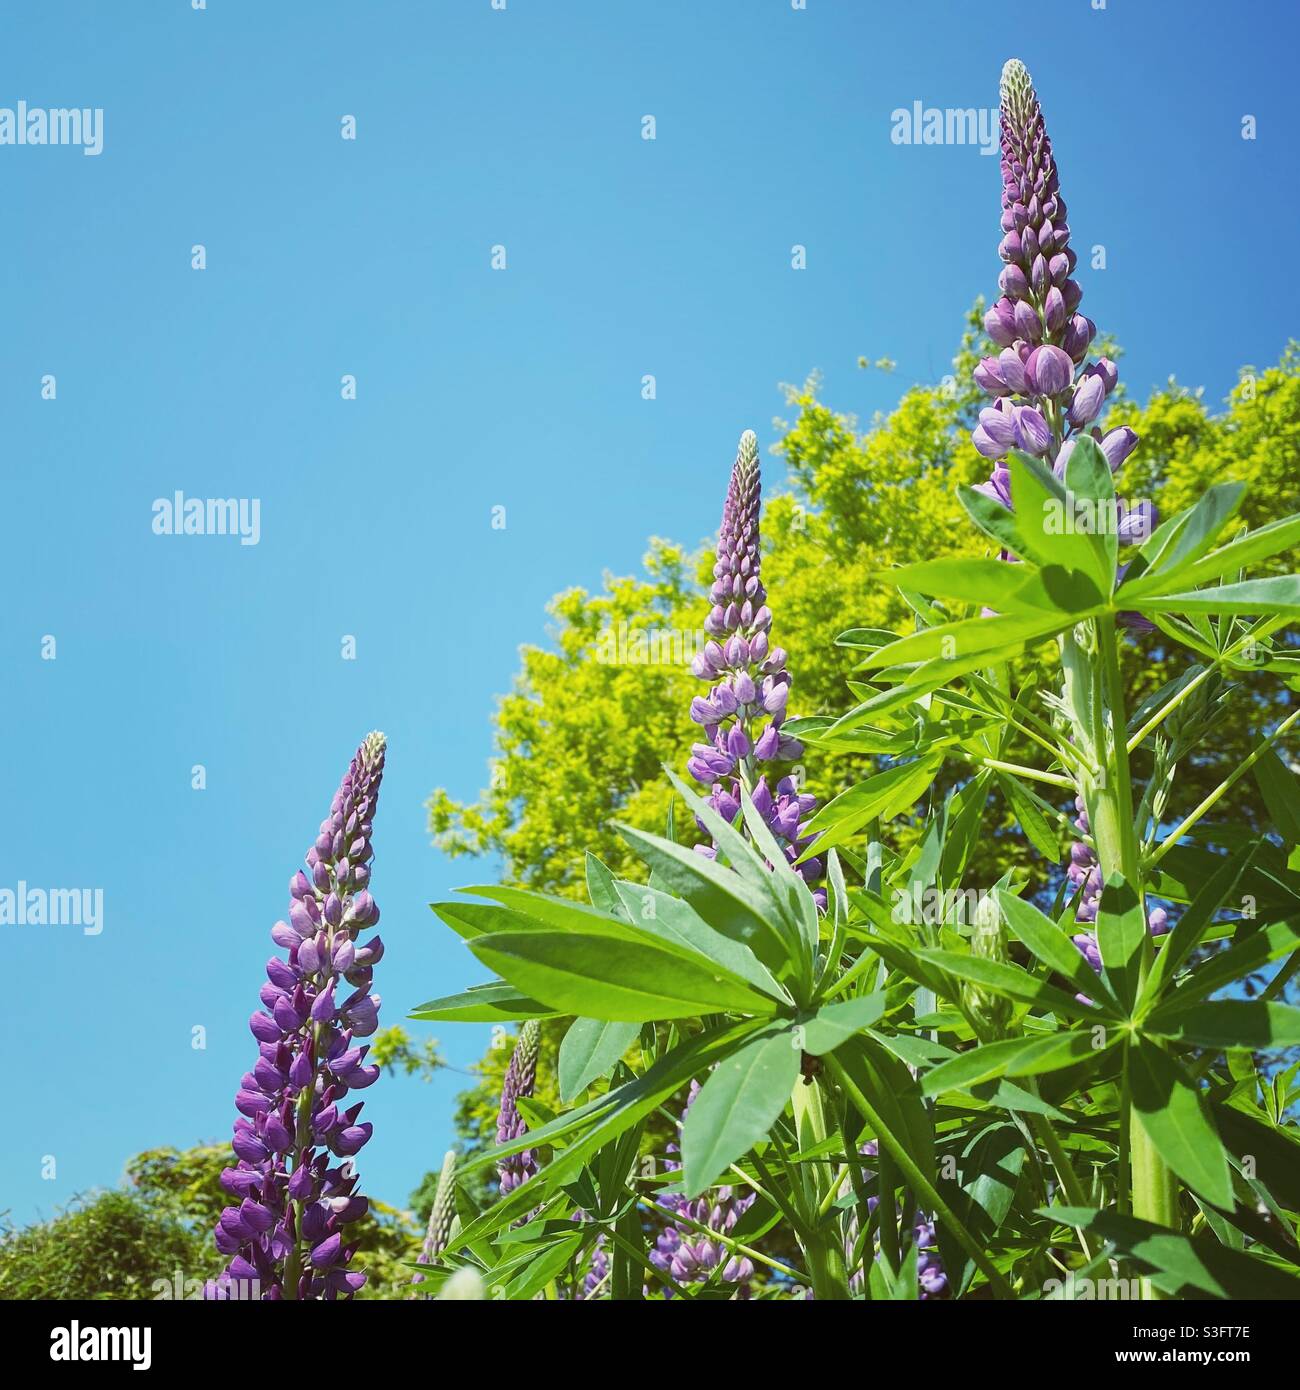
110	1245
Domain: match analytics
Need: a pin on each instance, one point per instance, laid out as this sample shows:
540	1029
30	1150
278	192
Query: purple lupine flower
442	1215
1044	397
520	1078
742	741
688	1255
930	1275
293	1202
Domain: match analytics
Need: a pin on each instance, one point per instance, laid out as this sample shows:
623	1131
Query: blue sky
475	388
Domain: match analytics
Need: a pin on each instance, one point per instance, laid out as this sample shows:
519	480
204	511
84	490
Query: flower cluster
288	1233
520	1078
688	1255
743	745
1043	395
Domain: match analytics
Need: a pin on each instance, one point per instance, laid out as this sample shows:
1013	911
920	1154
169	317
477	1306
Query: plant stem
824	1247
1155	1195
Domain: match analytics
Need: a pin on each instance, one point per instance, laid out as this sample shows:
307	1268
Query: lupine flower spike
293	1182
742	715
1044	397
521	1077
441	1216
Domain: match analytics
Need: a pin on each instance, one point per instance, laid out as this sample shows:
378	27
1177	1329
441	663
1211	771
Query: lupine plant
903	1084
293	1187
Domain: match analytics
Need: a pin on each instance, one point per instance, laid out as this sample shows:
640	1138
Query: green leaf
1184	538
590	1049
1015	983
833	1024
600	887
1179	1265
1121	938
882	795
495	1002
737	1106
997	584
989	1170
1253	952
1280	789
1042	506
592	1126
1051	945
1196	921
970	638
726	901
1088	479
613	976
1027	1056
1237	555
677	922
1276	597
999	524
1175	1117
1228	1023
1032	821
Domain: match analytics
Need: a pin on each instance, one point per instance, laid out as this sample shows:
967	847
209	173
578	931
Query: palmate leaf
663	915
1175	1117
1042	504
737	1105
729	903
590	1049
1180	1265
